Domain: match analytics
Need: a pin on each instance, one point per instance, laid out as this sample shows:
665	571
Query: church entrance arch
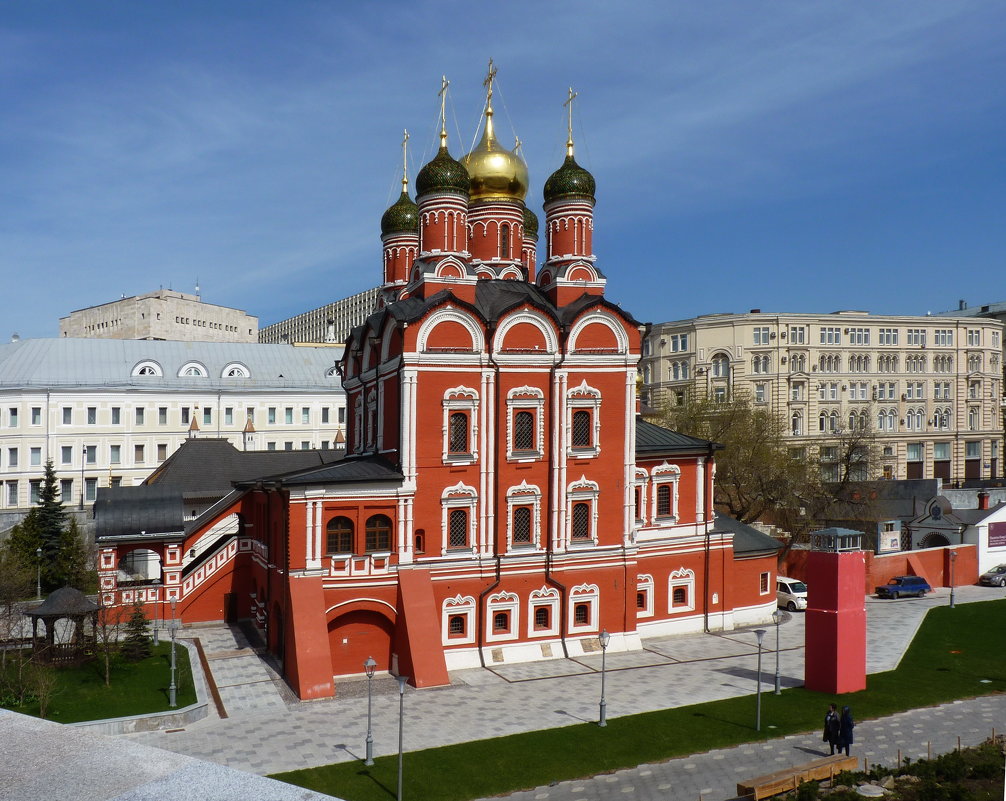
359	632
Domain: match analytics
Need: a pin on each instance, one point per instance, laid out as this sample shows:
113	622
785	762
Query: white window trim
458	605
642	484
237	367
576	492
502	602
148	363
460	496
546	596
525	399
583	593
665	474
682	577
583	397
768	583
644	583
202	372
461	399
524	495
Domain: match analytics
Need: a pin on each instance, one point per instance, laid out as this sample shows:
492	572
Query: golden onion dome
496	173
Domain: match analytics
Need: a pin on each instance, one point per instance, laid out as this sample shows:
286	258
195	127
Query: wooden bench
790	778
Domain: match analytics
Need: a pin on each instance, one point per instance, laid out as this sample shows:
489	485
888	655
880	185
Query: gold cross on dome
442	94
569	105
490	77
405	160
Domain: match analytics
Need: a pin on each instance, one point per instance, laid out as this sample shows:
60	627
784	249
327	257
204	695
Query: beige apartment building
928	388
327	324
164	314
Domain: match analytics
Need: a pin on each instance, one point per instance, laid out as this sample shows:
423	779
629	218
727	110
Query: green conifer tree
51	521
24	541
71	561
136	643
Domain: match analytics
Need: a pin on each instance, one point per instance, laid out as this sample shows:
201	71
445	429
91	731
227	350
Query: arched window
796	424
501	622
523	431
822	421
721	366
581	614
458	434
581	429
339	535
457	528
456	625
522	525
581	521
833	422
664	500
541	620
378	533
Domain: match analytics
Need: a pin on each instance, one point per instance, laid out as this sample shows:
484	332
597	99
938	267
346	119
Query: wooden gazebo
70	604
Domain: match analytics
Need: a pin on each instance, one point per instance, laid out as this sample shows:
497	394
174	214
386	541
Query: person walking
832	727
845	726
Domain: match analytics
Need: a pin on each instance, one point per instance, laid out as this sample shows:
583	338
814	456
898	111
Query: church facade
500	499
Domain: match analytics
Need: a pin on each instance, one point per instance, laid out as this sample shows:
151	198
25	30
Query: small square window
581	614
456	626
542	615
501	622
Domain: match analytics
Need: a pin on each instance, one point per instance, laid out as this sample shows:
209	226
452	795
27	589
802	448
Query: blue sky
790	155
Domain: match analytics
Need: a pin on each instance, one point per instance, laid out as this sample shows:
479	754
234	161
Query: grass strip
954	655
136	688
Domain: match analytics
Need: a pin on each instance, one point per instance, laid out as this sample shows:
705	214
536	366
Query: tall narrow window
581	521
378	533
339	535
457	528
664	500
523	431
581	429
505	241
522	525
458	434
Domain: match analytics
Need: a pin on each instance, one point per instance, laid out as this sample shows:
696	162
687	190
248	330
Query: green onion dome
570	181
443	174
401	217
530	224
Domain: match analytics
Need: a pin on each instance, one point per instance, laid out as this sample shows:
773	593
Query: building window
35	456
339	535
305	416
760	335
138	454
974	337
288	415
457	442
796	424
12	457
859	336
761	363
720	366
501	623
943	337
759	393
66	490
90	489
456	625
581	614
324	415
270	416
12	491
34	488
522	525
114	454
581	429
580	524
162	415
36	415
763	584
541	618
524	431
888	336
91	454
831	335
457	528
162	452
92	415
797	335
116	415
66	454
378	533
229	416
185	415
664	500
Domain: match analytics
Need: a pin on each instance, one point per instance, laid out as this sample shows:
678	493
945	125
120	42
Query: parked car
996	577
904	585
790	593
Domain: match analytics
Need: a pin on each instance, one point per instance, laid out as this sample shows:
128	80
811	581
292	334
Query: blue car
901	586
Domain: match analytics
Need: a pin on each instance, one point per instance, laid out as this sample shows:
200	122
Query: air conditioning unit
772	335
782	360
846	330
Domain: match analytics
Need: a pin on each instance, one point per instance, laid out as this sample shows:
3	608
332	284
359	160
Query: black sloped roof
64	602
345	471
122	511
653	440
748	541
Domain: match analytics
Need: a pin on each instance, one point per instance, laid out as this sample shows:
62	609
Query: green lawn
136	688
954	651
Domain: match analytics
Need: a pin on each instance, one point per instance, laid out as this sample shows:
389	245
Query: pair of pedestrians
838	729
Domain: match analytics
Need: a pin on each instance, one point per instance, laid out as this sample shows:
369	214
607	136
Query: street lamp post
370	665
777	617
953	558
760	634
157	614
38	573
605	638
83	459
402	680
172	689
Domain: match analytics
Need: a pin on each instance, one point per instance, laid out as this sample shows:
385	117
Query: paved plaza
266	730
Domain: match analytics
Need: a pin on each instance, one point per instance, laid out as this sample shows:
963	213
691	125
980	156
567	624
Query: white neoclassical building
929	388
107	412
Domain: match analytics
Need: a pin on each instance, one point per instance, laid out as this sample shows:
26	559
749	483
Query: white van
790	593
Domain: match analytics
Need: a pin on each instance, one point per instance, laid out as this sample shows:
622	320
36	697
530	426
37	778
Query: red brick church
500	499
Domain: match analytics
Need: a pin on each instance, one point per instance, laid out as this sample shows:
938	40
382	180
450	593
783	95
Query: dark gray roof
348	470
653	440
126	511
64	602
748	541
212	466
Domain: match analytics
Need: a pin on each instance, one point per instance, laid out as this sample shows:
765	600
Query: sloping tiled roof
654	439
212	466
748	541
